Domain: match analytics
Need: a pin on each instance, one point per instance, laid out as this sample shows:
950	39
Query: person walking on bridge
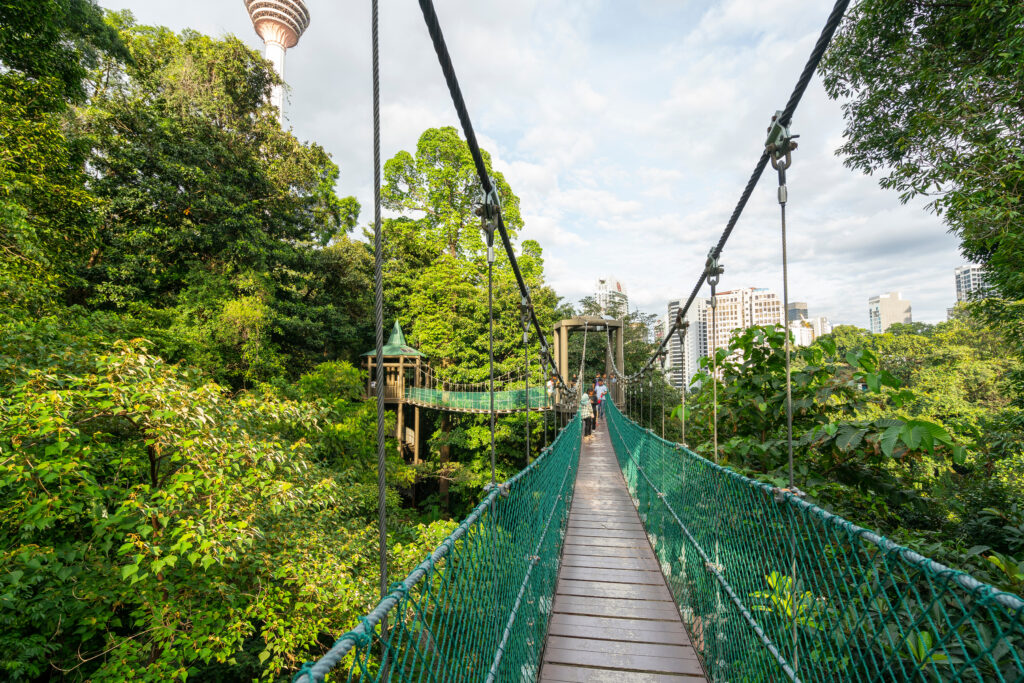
601	390
587	415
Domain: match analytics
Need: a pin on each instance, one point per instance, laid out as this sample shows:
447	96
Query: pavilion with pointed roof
403	368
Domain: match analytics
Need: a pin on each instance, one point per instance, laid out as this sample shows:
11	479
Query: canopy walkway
541	584
507	401
665	566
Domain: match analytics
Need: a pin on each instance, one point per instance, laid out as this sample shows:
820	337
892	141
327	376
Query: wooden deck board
613	619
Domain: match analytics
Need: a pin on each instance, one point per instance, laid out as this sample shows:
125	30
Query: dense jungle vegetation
187	465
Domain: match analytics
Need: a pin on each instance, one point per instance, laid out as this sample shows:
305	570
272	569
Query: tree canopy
931	94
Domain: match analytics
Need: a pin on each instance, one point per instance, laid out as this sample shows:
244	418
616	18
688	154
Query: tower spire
280	23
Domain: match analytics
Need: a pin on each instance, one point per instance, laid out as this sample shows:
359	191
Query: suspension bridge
632	558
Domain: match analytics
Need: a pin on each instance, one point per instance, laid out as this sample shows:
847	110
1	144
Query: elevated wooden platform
614	619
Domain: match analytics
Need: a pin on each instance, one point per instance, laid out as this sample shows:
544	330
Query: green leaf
889	438
128	570
850	437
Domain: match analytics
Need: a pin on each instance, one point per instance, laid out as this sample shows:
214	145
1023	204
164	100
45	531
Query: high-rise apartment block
969	279
742	308
611	296
684	356
886	309
280	23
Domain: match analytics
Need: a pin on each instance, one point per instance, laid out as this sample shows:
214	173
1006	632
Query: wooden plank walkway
614	619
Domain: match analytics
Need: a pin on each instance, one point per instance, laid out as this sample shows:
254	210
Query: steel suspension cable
448	69
824	39
378	310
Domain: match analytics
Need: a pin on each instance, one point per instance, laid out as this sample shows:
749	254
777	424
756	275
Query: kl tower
280	23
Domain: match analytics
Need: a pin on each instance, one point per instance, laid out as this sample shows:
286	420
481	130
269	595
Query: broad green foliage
56	41
893	431
155	527
214	218
932	99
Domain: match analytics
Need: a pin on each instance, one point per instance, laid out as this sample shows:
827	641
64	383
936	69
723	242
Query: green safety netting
512	399
477	608
861	608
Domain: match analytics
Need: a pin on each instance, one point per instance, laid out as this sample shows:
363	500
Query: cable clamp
503	488
780	145
780	493
713	269
490	213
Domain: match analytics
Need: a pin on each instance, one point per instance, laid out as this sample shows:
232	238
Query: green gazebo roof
396	345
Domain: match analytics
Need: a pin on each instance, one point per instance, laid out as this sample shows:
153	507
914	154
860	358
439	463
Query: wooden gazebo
403	368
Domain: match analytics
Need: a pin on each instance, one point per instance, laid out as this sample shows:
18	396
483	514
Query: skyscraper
280	23
684	358
742	308
969	279
797	310
886	309
611	296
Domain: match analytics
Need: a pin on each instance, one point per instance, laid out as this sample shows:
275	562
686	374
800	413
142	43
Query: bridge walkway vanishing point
613	618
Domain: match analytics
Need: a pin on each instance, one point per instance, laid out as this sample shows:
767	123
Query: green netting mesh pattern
477	609
512	399
864	608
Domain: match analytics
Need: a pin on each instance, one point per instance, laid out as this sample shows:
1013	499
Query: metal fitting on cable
780	145
503	488
490	213
780	493
713	269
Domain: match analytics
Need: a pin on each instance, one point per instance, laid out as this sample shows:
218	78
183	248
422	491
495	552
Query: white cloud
627	131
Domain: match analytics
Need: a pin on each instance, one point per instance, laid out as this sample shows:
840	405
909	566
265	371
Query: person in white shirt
600	391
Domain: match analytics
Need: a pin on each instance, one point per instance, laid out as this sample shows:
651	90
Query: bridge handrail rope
781	120
867	608
421	639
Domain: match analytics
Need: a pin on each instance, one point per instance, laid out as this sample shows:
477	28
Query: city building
969	279
741	308
886	309
806	330
612	297
684	357
797	310
280	23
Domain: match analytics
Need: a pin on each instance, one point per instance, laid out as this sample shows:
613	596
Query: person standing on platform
593	406
600	391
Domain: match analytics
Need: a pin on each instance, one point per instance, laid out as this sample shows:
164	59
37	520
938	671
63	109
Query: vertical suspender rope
685	381
781	158
378	309
713	272
525	319
490	201
650	400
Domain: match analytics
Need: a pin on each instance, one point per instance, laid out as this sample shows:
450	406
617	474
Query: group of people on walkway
592	405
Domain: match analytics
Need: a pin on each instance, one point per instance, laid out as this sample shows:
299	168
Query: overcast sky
627	130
